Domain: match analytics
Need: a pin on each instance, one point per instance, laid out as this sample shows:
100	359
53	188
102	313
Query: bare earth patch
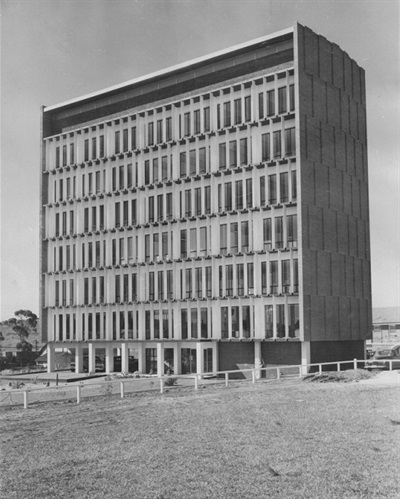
341	376
285	439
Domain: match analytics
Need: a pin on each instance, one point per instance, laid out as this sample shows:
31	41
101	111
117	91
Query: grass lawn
283	439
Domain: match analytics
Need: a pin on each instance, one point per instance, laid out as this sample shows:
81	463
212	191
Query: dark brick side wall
279	353
232	354
334	207
327	351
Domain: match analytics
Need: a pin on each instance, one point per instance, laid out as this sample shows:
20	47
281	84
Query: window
260	106
228	196
284	187
72	153
273	277
160	285
250	278
188	274
202	160
294	185
282	108
269	321
156	249
57	157
197	201
186	124
196	121
164	244
182	163
207	199
291	98
279	232
223	239
184	324
150	351
294	323
117	142
239	194
64	159
169	206
290	142
208	282
156	318
86	150
238	111
240	279
265	147
151	286
155	170
245	236
170	293
193	242
277	143
243	151
150	133
264	289
292	231
147	247
133	208
272	189
159	131
280	323
271	102
117	289
192	162
232	153
222	156
134	287
164	168
224	323
229	280
267	234
168	129
206	112
199	282
183	243
295	276
218	116
249	193
227	114
246	322
247	108
160	211
235	322
203	324
285	267
262	191
203	240
188	203
221	280
234	238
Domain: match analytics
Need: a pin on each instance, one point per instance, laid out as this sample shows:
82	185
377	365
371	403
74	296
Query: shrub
170	381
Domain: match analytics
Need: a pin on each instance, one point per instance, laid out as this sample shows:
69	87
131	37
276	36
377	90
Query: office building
212	215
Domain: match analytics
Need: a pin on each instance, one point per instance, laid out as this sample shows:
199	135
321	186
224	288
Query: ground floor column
215	365
51	364
141	358
160	359
199	358
78	359
91	358
305	356
124	358
109	359
257	358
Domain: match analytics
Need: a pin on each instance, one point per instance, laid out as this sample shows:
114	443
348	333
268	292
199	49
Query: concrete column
305	356
50	358
91	358
258	325
124	358
141	358
78	359
257	358
215	356
109	359
199	357
160	359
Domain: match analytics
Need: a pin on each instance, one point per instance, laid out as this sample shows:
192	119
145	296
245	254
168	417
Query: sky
52	51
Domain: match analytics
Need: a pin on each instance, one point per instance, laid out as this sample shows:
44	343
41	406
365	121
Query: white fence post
196	382
78	394
390	365
226	379
278	373
355	364
122	390
26	399
253	376
320	368
338	366
300	371
161	385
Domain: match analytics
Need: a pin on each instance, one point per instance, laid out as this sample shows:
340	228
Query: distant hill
9	339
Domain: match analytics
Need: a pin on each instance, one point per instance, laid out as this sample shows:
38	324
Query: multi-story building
212	214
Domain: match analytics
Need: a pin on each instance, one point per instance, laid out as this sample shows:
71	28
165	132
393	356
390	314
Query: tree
23	323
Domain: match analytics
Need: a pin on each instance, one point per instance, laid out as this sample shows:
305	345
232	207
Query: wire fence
151	383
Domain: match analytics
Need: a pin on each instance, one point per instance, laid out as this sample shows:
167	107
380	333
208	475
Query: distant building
211	214
386	324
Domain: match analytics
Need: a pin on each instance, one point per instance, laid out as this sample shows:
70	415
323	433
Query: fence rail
148	383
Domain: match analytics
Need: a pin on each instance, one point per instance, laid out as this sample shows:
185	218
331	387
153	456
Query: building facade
211	215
